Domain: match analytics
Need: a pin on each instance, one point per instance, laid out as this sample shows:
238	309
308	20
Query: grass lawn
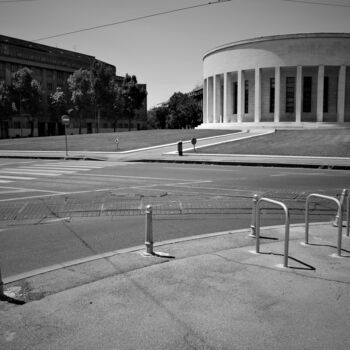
325	143
105	141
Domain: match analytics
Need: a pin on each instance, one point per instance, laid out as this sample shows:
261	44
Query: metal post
340	227
336	222
149	231
286	240
253	224
348	215
307	221
257	228
1	284
65	133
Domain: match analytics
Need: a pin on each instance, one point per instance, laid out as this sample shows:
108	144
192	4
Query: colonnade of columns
218	96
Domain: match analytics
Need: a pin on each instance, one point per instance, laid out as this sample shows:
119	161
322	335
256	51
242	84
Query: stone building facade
295	80
52	66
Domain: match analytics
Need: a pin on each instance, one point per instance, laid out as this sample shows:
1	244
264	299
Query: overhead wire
167	12
131	19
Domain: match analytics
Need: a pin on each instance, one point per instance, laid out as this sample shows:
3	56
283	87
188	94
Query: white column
257	96
320	93
277	113
298	94
228	93
225	97
217	99
214	97
205	101
210	99
240	96
341	94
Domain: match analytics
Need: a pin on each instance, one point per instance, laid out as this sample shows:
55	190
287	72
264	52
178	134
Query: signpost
65	121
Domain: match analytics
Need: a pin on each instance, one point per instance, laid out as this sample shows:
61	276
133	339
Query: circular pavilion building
294	80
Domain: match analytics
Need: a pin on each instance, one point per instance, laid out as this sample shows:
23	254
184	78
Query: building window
246	96
235	94
49	87
290	94
272	95
325	94
307	92
17	125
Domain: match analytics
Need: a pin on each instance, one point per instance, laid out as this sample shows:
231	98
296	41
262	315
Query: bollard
149	231
253	224
348	216
179	148
336	220
1	285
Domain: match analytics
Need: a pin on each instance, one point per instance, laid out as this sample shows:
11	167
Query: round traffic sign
65	119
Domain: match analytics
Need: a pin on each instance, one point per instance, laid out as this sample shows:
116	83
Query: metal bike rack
257	228
348	215
340	218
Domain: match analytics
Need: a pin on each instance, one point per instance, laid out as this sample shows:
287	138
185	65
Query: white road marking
68	166
301	174
4	181
16	177
47	170
28	172
61	167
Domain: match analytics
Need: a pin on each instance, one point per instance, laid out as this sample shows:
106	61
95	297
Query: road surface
54	210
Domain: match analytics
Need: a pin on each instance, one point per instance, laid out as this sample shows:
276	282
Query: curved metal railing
340	226
257	226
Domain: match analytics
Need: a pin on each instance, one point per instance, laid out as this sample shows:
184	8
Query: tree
157	117
58	103
183	112
103	87
129	97
26	92
80	84
5	101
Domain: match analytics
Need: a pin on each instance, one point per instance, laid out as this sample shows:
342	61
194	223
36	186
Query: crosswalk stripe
47	170
39	166
16	177
4	181
28	172
85	166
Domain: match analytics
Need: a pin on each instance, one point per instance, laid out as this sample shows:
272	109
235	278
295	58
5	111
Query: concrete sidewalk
210	292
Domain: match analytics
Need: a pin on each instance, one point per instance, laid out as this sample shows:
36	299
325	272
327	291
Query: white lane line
4	181
60	167
301	174
24	189
16	177
142	177
46	170
69	166
28	173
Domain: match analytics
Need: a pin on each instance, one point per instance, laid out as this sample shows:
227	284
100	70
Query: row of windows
290	95
23	124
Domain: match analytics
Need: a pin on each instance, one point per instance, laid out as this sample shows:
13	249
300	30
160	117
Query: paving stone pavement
112	204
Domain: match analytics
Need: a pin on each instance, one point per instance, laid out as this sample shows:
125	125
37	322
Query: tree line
182	111
93	89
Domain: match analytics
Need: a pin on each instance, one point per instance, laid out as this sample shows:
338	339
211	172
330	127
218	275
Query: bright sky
165	52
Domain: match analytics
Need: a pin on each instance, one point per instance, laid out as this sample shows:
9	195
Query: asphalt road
92	207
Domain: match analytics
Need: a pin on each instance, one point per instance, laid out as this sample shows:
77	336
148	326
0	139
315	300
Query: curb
55	267
243	163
